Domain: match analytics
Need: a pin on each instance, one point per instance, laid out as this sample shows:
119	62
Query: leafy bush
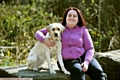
18	26
102	19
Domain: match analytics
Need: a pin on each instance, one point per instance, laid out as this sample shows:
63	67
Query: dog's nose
56	35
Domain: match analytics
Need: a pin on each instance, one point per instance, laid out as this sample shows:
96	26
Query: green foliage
18	25
102	19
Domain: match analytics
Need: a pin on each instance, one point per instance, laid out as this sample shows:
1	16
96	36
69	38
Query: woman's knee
77	69
77	73
95	66
95	70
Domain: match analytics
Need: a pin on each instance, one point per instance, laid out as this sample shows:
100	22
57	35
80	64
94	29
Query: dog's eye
58	29
53	29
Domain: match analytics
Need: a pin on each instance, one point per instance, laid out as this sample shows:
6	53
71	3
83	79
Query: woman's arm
88	45
40	34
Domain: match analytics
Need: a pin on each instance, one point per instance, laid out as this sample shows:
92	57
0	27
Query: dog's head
55	30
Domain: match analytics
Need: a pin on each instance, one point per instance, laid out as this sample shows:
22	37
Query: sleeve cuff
42	40
87	61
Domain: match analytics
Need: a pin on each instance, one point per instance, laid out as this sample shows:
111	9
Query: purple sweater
75	42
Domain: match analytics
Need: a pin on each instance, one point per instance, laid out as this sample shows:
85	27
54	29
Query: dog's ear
49	27
62	28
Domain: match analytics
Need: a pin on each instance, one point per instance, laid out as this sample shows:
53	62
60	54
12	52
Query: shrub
17	29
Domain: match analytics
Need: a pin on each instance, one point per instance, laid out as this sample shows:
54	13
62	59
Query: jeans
94	71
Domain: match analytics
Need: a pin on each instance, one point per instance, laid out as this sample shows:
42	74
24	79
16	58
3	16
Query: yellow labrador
40	51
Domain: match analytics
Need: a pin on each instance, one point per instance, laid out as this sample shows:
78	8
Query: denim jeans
94	71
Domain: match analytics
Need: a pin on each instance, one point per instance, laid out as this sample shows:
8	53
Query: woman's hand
49	42
84	66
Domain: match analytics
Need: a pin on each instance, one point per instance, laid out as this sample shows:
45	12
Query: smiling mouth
71	21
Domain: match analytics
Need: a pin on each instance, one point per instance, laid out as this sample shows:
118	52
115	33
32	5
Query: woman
77	47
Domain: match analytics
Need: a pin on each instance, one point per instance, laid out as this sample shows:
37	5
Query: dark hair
81	21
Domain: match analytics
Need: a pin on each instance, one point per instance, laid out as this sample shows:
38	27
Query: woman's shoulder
83	28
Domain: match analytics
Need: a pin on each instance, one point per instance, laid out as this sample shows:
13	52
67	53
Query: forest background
20	19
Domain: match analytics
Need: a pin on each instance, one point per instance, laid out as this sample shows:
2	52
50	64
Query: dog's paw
66	72
52	71
35	69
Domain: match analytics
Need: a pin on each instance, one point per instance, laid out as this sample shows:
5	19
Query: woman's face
71	19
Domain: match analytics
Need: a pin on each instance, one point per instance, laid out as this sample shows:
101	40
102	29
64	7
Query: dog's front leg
49	62
60	60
